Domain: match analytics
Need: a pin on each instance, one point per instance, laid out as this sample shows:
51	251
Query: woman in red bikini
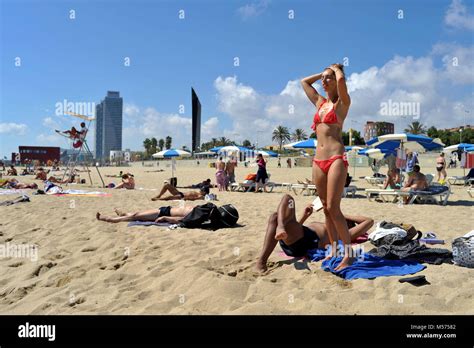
330	164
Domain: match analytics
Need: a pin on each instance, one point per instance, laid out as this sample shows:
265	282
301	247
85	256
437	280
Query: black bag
209	216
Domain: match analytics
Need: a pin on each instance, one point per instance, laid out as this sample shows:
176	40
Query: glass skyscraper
108	126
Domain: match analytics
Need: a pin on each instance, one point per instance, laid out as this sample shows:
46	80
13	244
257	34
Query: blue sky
408	59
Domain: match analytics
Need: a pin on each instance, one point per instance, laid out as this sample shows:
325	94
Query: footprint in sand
16	264
89	249
43	268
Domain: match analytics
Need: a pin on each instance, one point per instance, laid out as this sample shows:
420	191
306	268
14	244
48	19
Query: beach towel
10	192
23	198
367	266
148	223
79	193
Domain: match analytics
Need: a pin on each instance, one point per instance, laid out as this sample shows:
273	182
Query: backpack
209	216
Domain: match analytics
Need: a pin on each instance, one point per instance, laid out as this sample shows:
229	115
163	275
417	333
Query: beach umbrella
377	153
266	153
353	148
290	145
171	153
461	146
216	149
305	144
232	149
413	142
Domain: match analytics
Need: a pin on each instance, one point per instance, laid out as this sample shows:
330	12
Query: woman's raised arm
307	84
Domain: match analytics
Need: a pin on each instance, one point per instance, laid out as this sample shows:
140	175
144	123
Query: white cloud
458	62
50	123
149	122
209	129
458	17
13	128
254	9
50	140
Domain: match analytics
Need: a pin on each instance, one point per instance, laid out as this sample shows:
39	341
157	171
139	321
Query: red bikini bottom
326	164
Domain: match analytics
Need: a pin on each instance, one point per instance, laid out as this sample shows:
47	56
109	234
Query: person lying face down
15	184
297	239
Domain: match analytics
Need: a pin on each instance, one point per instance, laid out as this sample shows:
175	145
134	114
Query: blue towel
366	266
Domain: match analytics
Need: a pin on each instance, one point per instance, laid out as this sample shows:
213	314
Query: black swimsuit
301	247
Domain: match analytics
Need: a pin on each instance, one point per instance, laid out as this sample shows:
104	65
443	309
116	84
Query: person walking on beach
220	174
262	175
441	168
330	163
288	163
230	170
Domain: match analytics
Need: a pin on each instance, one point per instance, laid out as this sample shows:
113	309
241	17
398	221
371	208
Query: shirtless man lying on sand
172	215
297	239
177	195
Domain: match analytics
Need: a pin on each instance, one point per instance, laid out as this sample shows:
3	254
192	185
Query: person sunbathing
206	182
115	176
15	184
128	182
12	171
392	179
169	214
41	175
69	180
175	194
416	180
297	239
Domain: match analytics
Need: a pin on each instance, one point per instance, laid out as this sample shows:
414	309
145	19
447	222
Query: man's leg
269	243
289	230
363	225
166	187
147	215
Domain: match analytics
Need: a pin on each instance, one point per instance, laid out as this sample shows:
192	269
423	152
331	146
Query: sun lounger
310	189
375	180
349	190
456	180
248	186
437	194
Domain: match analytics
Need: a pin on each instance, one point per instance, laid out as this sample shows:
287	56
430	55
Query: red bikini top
329	118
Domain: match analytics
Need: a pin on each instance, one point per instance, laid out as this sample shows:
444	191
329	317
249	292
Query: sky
243	58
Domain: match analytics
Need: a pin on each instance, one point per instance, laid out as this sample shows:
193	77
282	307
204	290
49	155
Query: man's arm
306	214
170	219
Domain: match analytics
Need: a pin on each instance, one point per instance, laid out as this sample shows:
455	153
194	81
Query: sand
86	266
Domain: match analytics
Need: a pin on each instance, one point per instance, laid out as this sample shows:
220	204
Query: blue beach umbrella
305	144
266	153
414	142
171	153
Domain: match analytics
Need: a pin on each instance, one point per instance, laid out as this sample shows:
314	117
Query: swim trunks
300	248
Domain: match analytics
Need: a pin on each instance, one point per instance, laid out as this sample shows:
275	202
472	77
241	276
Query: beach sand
87	266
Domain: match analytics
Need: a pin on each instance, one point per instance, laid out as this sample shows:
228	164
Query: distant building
456	129
374	129
108	127
40	153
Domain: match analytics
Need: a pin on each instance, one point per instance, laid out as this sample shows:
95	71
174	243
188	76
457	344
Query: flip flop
416	280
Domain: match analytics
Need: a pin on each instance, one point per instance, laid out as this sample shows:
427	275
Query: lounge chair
248	185
310	189
375	180
464	180
434	193
349	190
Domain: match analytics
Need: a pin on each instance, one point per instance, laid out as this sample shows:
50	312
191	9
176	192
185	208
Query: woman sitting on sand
298	239
169	214
128	182
177	195
15	184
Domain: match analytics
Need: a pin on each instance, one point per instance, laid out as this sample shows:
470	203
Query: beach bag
463	250
209	216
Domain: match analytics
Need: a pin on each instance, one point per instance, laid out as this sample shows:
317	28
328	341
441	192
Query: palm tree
168	141
299	134
154	145
415	128
147	146
281	134
214	142
161	144
223	141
